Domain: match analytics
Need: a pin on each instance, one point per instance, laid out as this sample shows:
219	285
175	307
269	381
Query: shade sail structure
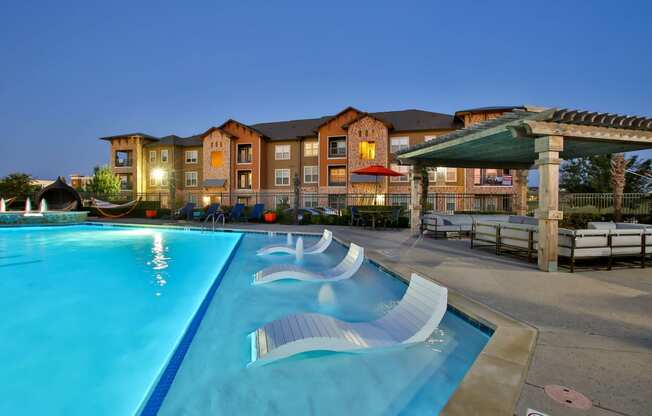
507	141
377	170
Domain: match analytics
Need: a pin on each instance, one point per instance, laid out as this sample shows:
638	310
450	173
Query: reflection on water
159	262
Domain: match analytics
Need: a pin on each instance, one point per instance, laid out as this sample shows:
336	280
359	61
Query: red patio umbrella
377	170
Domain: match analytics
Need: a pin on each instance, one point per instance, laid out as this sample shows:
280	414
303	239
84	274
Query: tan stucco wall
219	141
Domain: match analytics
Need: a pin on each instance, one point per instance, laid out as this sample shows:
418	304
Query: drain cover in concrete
568	397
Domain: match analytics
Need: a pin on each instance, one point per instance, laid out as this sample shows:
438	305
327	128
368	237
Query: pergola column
548	212
521	192
415	202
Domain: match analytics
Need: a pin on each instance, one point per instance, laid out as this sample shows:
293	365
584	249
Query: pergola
521	139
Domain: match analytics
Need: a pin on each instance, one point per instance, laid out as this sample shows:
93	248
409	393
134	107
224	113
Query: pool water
91	314
94	313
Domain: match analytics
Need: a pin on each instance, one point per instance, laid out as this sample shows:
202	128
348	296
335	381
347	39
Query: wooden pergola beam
546	128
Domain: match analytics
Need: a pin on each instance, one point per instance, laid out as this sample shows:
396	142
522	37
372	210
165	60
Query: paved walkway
595	328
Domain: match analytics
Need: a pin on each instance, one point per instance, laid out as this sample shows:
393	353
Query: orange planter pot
150	213
269	217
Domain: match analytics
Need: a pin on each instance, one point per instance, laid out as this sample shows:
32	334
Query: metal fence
600	203
439	202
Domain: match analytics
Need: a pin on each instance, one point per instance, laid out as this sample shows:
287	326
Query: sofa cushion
597	225
629	226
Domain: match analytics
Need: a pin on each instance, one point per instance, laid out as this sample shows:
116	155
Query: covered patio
520	140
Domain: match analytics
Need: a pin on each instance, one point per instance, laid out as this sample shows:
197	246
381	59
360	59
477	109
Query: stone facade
367	129
217	145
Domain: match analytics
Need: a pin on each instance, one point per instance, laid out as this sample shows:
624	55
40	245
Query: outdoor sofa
601	240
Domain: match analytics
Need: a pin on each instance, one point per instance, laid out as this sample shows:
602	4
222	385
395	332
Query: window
191	156
451	174
337	146
336	175
282	177
244	179
244	153
282	152
217	159
164	155
405	170
152	156
310	174
492	177
125	181
281	201
310	200
191	179
450	202
310	149
153	180
367	150
399	143
337	201
432	174
123	158
192	198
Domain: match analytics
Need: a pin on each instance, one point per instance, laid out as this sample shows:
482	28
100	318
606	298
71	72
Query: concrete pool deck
594	327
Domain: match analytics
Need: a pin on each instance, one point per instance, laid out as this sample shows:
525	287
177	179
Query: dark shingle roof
147	136
411	120
404	120
174	140
291	129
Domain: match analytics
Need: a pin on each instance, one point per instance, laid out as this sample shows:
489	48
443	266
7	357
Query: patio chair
344	270
413	320
211	210
393	218
186	211
237	212
356	217
256	213
319	247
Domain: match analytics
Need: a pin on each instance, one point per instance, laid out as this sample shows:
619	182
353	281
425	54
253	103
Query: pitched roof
174	140
413	120
117	136
291	129
404	120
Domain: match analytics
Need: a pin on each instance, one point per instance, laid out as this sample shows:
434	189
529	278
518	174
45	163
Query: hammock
101	206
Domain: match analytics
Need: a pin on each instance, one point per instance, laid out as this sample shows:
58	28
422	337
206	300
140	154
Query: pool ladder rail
213	217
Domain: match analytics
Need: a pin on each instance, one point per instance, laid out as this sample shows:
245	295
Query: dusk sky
74	71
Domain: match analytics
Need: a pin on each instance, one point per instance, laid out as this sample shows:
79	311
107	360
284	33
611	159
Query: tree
618	180
593	175
17	185
103	182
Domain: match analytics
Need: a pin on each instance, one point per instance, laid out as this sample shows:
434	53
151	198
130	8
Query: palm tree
618	168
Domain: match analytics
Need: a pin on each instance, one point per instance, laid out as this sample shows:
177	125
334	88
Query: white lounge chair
413	320
319	247
344	270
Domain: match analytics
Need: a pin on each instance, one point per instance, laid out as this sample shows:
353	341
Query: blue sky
74	71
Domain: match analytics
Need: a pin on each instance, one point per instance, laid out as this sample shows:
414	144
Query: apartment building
244	161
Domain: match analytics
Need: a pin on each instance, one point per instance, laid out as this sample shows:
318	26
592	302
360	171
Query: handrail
214	216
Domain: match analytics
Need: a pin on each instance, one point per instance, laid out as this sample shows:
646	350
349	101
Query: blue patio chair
186	211
211	210
256	212
237	212
356	218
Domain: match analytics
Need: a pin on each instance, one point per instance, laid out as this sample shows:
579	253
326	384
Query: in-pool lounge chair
413	320
347	268
319	247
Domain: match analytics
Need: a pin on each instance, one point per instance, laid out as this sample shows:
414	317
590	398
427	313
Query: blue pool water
94	313
91	314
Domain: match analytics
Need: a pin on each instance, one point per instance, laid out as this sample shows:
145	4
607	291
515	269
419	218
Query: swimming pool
96	312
